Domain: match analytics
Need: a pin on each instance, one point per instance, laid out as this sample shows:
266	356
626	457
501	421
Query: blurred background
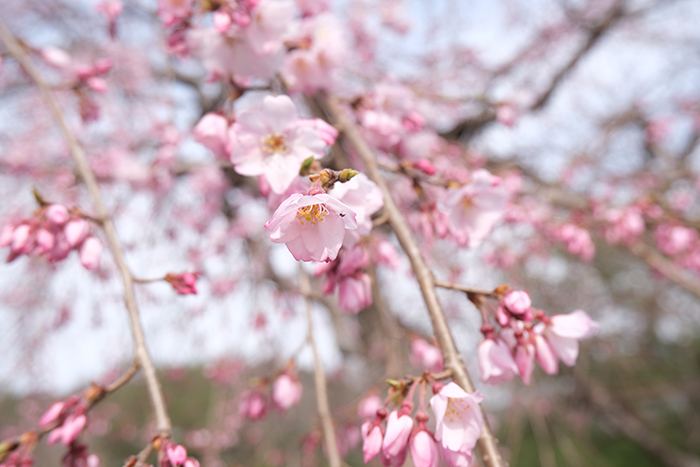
594	102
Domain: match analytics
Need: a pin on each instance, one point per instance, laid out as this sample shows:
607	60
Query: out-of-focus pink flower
425	166
624	225
362	196
564	331
320	46
212	132
398	429
424	451
312	226
371	440
425	355
507	114
253	405
90	252
517	301
176	453
286	391
174	11
496	361
368	406
525	360
456	458
473	210
674	239
269	140
458	420
576	240
184	283
545	355
76	231
57	214
355	292
69	430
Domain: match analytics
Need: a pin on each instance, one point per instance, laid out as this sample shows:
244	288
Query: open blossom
496	361
473	210
458	418
271	140
312	226
364	198
564	331
212	132
286	391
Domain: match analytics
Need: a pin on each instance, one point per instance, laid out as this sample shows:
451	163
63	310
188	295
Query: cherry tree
433	191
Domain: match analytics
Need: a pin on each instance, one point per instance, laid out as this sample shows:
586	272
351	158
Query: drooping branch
323	406
453	361
88	177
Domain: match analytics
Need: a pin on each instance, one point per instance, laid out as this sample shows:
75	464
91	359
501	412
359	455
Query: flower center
467	202
274	144
313	214
456	410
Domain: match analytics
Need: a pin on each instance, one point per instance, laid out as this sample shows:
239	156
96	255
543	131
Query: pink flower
69	430
184	283
172	11
253	405
371	440
456	458
176	453
525	360
577	241
57	214
212	132
398	429
517	301
425	355
269	140
624	225
367	408
424	451
564	332
473	210
90	253
496	361
674	239
363	196
458	418
312	226
355	292
545	355
286	391
52	414
76	231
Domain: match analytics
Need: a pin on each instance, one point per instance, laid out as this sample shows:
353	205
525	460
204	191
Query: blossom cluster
285	393
519	335
52	232
392	435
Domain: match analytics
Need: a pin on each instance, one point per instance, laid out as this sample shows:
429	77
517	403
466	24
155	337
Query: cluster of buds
519	335
286	390
347	273
184	283
175	455
392	435
52	232
66	419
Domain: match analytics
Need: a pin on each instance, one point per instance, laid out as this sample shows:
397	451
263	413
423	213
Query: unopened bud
346	174
306	166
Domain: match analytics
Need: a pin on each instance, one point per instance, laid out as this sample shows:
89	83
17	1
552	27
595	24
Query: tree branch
113	243
487	443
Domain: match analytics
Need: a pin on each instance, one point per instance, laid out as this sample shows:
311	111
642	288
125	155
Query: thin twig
487	443
324	411
88	177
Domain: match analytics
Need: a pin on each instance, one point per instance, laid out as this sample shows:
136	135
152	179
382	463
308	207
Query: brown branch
323	406
487	443
113	243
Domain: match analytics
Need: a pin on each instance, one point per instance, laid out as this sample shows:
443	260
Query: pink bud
57	214
212	131
20	237
6	235
496	361
52	414
76	231
424	451
90	253
253	405
398	429
355	293
517	301
176	453
45	240
371	440
425	355
425	166
286	391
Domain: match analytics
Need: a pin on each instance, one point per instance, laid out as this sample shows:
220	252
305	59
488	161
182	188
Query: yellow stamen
314	213
273	144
